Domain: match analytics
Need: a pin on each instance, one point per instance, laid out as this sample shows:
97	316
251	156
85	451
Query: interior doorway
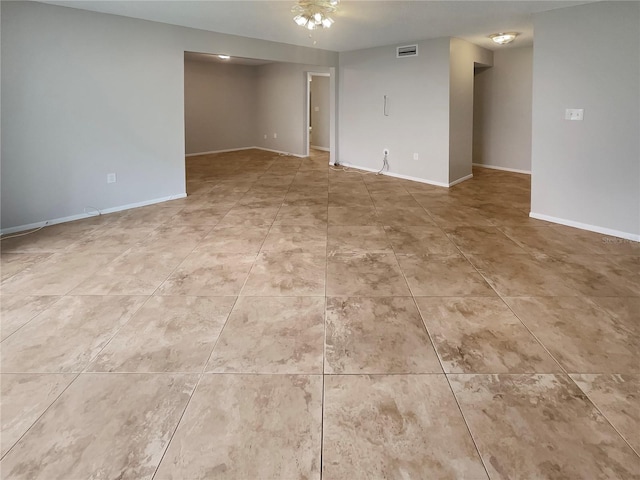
318	112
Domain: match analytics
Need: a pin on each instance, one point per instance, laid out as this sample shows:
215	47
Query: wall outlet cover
576	114
111	178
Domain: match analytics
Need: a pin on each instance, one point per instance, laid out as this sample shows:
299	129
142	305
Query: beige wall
282	106
463	57
587	173
320	112
502	111
220	103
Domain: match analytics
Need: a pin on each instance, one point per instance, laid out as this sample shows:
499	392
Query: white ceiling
359	23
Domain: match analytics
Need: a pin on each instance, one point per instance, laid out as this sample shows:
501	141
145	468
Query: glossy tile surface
248	426
103	426
482	335
287	320
395	427
272	335
541	426
377	335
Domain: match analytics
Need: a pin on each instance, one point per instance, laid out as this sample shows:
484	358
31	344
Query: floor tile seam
133	314
60	297
599	410
499	295
41	415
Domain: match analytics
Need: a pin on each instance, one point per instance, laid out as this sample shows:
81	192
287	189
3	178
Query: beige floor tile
443	275
377	335
623	309
287	274
103	426
483	240
138	272
547	240
202	214
209	274
112	240
358	239
616	396
168	334
403	216
150	215
25	397
397	426
17	310
353	215
581	336
174	239
369	275
250	215
272	335
523	275
540	426
248	427
233	240
57	275
603	275
455	216
50	239
482	335
296	238
67	335
302	215
12	263
344	199
420	240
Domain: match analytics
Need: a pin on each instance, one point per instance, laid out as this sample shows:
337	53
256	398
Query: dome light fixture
224	57
503	38
313	14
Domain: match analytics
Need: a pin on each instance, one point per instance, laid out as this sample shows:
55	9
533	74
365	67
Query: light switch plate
574	114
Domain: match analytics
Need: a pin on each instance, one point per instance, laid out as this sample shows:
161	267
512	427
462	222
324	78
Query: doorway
318	112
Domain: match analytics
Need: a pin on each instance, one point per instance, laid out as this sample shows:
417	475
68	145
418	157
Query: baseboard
105	211
218	151
586	226
460	180
280	152
504	169
395	175
315	147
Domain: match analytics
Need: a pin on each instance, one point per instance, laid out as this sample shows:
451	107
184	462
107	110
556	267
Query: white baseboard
315	147
504	169
218	151
395	175
460	180
280	151
80	216
586	226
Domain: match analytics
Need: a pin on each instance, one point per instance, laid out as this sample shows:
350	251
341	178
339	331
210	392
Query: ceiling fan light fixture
503	38
313	14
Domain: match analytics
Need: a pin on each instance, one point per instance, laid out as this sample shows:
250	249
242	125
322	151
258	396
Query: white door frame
308	113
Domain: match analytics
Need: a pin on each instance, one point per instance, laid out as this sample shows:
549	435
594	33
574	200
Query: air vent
407	51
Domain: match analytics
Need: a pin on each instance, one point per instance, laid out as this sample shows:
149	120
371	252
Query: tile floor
291	321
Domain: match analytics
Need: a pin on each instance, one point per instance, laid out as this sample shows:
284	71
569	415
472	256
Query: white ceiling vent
407	51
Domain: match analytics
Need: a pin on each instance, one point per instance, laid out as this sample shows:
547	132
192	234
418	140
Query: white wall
463	57
588	172
418	121
502	111
85	94
220	102
320	117
282	106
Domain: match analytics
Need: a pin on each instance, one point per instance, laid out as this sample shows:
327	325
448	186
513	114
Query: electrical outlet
275	135
416	156
385	151
111	178
265	136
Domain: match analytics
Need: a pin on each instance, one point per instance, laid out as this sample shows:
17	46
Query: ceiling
358	23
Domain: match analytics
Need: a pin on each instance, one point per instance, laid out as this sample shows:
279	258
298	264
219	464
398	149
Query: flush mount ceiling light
314	14
503	38
224	57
